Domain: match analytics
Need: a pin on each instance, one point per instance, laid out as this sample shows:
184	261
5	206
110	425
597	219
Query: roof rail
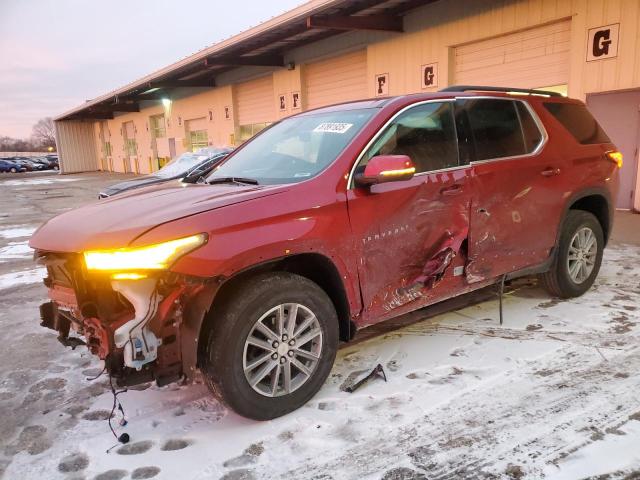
479	88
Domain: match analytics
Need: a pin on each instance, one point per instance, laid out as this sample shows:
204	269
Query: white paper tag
330	127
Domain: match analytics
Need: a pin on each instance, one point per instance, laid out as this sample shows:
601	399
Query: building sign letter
603	42
429	75
382	84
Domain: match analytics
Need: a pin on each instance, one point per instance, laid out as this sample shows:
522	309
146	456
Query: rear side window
579	122
496	128
530	131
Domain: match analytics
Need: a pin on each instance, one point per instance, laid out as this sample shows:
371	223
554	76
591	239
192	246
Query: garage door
196	133
534	58
337	79
256	101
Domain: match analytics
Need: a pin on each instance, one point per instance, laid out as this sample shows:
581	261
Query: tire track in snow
574	392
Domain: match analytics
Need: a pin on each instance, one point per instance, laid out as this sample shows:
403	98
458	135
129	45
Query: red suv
324	223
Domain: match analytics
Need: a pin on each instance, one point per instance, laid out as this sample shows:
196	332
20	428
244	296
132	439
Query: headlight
152	257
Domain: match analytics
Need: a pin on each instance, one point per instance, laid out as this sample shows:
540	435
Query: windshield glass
295	149
185	162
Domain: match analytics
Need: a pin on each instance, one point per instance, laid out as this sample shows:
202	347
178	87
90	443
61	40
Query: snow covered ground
554	393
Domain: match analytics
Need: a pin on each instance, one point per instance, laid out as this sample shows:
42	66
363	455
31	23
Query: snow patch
12	279
15	250
17	231
36	181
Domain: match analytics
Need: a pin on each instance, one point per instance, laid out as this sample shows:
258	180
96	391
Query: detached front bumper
144	329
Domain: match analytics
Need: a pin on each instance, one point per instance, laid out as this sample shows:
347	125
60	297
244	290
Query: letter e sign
603	42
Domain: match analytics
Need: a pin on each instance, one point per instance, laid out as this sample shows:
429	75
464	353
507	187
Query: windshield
185	162
295	149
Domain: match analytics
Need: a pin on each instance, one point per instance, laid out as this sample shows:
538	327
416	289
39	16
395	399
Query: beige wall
76	145
618	73
286	82
431	35
177	114
437	29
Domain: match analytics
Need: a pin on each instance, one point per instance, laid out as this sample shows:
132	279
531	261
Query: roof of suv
449	92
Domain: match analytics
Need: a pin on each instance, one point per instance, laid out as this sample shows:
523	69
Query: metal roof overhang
263	45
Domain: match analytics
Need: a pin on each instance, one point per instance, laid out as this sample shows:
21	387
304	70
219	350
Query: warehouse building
329	51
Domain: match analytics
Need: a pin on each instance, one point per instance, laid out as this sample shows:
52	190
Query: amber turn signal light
616	157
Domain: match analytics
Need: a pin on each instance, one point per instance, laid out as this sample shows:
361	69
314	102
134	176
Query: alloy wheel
282	350
581	257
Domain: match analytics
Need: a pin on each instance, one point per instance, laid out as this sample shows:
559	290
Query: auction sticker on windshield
331	127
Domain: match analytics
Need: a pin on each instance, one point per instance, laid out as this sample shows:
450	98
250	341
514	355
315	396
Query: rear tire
251	359
578	258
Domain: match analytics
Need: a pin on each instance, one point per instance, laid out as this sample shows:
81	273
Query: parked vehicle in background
44	161
27	165
12	167
326	222
54	163
189	166
35	166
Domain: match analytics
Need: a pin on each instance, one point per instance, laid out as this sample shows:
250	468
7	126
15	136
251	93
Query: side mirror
386	168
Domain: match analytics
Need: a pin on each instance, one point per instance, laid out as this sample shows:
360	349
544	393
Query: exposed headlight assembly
159	256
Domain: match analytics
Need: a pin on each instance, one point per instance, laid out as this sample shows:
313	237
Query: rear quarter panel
587	170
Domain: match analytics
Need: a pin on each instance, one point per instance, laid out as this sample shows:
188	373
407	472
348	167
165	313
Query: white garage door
533	58
335	80
256	101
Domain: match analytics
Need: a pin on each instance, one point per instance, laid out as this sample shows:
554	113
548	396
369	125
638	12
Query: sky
55	54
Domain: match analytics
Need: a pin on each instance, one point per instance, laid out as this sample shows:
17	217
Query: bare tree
8	144
43	133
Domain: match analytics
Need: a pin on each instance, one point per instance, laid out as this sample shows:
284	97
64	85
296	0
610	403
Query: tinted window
496	129
578	121
530	130
425	133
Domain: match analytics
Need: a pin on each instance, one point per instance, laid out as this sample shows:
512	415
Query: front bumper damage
144	329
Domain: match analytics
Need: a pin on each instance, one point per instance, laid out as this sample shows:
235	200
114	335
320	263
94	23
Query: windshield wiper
249	181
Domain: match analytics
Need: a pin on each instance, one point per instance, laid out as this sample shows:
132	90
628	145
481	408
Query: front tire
13	170
271	345
578	258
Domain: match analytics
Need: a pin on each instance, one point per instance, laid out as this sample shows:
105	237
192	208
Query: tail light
616	157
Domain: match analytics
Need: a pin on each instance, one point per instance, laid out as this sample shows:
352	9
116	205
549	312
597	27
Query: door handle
550	172
454	189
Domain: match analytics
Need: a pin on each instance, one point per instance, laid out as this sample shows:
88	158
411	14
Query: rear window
579	122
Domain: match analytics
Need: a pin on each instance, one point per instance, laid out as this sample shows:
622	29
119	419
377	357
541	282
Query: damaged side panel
414	244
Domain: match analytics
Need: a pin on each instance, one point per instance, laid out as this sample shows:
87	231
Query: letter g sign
603	42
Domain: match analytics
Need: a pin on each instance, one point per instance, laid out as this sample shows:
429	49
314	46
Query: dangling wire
124	438
91	379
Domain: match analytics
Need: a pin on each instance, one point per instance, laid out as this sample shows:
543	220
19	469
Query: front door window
426	134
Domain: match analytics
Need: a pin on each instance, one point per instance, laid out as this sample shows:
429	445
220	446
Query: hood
116	222
135	183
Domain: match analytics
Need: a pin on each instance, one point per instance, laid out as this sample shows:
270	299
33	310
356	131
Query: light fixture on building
166	103
291	66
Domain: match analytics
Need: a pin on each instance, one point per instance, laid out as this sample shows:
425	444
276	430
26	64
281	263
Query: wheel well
599	207
315	267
